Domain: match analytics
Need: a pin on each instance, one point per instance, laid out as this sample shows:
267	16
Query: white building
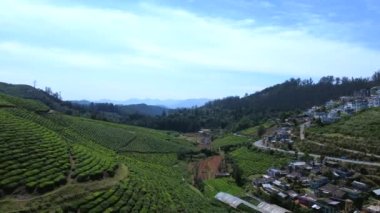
374	101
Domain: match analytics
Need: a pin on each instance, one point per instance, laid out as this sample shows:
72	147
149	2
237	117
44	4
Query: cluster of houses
282	134
304	184
346	105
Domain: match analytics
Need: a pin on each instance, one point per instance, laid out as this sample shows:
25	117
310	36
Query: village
327	186
319	186
315	183
333	110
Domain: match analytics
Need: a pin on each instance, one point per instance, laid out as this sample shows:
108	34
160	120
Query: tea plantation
31	156
51	162
360	132
147	189
124	138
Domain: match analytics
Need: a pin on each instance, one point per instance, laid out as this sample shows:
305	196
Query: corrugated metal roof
270	208
234	201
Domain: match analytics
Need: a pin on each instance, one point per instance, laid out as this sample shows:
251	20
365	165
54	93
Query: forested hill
232	113
237	113
100	111
53	100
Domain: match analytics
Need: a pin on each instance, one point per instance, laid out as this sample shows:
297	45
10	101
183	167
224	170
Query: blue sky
165	49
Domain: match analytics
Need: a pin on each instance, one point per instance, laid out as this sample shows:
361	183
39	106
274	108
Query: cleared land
209	167
254	162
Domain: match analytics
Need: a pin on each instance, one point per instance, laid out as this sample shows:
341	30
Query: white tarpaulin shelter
233	201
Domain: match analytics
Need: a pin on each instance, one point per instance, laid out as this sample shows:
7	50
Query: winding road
259	144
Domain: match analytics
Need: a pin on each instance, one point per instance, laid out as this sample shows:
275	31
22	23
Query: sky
179	49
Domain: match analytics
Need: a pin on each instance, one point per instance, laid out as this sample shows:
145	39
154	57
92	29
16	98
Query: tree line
236	113
231	113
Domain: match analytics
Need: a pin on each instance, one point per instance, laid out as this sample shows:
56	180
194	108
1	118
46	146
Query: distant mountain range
170	103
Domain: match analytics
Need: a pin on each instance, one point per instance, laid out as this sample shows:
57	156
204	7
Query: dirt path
209	167
302	132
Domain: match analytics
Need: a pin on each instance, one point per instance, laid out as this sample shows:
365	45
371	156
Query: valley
53	161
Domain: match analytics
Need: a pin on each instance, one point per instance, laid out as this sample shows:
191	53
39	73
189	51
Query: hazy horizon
155	49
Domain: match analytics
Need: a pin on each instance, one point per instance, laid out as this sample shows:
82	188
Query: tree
237	174
48	90
337	81
181	154
327	80
243	124
376	76
261	131
199	184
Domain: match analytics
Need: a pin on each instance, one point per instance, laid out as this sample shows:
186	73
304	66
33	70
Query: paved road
302	130
259	144
347	150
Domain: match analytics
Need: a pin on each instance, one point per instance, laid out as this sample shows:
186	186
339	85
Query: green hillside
4	102
254	162
29	104
126	138
40	159
360	132
54	162
29	92
31	155
230	140
365	124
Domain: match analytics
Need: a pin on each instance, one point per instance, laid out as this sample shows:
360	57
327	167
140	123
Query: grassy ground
256	162
228	185
252	131
229	140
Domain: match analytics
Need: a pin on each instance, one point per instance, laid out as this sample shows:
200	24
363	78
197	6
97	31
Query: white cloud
161	39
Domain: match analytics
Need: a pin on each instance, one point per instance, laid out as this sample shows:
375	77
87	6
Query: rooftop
270	208
377	192
233	201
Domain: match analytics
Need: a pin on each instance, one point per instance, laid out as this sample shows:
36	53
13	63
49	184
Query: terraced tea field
5	103
31	156
28	104
54	162
124	138
141	192
360	132
92	164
